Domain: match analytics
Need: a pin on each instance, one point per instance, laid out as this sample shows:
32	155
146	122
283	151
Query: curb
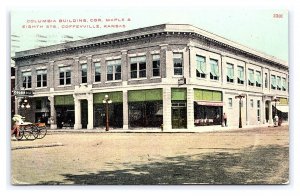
37	146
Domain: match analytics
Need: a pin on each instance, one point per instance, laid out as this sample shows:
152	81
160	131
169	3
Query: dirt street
251	156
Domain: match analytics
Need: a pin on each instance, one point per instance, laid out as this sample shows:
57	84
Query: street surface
248	156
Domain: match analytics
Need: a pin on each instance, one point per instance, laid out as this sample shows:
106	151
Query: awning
283	108
210	103
159	112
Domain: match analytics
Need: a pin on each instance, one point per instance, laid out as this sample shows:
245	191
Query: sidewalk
158	130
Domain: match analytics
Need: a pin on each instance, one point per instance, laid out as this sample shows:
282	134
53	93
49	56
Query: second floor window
240	75
97	71
41	78
178	64
258	79
138	67
155	65
266	80
251	79
279	83
284	84
200	67
214	69
114	70
230	73
26	77
273	82
84	73
64	75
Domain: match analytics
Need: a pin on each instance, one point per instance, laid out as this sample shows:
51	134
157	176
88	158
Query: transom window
178	64
214	69
41	78
114	70
200	67
258	79
64	75
251	79
230	73
84	73
138	67
240	75
97	71
26	77
155	65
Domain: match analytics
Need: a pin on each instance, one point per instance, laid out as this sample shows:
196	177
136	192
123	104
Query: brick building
176	75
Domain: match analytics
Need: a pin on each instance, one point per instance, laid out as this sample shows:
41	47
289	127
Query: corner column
90	99
270	113
77	124
190	108
53	124
125	109
167	104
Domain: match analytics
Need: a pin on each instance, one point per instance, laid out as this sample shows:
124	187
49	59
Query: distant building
175	76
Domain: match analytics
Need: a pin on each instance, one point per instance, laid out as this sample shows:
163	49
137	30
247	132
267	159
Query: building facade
170	76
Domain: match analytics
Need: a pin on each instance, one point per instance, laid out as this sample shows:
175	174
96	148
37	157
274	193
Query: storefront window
145	114
207	115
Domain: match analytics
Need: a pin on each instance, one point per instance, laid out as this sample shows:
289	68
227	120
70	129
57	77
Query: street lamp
275	99
107	101
240	97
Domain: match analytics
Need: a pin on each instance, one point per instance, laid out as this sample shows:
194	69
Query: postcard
149	96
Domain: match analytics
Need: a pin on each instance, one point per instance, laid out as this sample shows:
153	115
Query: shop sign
23	93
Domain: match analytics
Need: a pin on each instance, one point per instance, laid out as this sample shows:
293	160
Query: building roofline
144	32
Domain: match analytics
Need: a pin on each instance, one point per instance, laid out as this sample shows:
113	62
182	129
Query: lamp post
107	101
275	99
240	97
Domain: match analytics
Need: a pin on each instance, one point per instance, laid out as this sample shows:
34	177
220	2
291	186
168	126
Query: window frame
97	71
65	70
138	71
42	82
156	58
251	81
27	79
229	68
178	61
114	64
200	70
240	69
84	70
213	74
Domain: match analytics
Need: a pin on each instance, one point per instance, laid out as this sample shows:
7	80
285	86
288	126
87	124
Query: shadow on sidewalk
256	165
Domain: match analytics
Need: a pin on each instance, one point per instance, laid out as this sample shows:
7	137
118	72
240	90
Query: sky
262	30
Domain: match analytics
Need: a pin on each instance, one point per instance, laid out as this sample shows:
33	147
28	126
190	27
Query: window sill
97	82
155	77
61	86
44	87
113	81
135	79
178	76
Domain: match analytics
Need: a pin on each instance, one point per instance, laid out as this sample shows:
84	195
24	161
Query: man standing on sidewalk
225	119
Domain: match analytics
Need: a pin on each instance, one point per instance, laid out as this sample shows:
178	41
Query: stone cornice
153	32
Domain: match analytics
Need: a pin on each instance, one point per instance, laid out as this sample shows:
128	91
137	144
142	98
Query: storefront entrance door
84	113
178	117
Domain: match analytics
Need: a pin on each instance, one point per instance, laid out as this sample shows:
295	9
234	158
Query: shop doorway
84	113
267	108
179	117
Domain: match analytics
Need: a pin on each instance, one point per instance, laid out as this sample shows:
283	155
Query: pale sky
262	30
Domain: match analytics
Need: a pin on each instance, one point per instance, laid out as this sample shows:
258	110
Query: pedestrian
17	120
225	119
